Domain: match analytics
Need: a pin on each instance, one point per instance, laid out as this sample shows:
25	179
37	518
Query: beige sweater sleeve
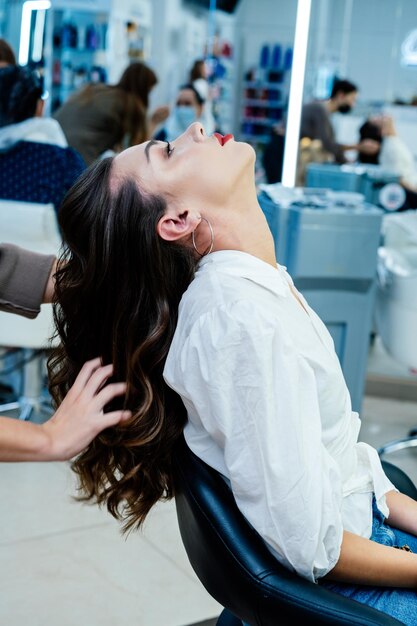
23	278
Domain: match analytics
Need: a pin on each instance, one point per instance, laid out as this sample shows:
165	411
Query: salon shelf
60	50
267	104
263	85
265	121
254	138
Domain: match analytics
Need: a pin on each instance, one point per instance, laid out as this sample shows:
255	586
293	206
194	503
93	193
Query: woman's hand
80	417
159	115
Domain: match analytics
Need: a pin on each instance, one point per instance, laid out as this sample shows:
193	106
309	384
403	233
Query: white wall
371	54
263	21
178	37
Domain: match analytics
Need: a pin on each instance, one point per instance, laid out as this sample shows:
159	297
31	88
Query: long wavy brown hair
118	287
138	79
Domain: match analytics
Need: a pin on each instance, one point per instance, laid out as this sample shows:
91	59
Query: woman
36	164
242	362
198	78
188	109
104	117
391	153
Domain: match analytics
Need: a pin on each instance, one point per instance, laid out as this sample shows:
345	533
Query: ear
176	224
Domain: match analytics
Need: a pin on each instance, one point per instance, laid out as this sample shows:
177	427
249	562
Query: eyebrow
148	146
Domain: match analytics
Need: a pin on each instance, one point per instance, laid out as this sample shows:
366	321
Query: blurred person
198	78
186	299
395	155
370	131
36	164
7	56
392	154
316	121
27	281
103	117
188	109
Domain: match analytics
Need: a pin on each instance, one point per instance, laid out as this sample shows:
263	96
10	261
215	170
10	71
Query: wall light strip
292	133
28	7
38	35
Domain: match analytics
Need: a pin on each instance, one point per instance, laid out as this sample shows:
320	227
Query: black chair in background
237	569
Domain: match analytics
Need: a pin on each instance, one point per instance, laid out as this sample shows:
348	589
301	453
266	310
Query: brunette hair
343	86
20	90
197	70
7	55
199	99
138	80
118	287
369	130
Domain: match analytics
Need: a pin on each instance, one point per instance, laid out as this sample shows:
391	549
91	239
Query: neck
330	105
246	230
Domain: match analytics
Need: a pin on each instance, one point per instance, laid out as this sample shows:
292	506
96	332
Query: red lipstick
222	139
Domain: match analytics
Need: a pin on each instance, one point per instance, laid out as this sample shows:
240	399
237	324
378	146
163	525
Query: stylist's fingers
84	375
108	393
113	418
97	380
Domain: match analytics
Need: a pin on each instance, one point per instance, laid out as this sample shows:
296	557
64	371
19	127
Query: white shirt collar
236	263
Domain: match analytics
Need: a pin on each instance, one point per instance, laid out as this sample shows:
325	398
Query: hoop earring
210	247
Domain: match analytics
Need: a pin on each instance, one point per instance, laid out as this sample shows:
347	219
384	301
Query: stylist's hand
369	147
159	115
80	417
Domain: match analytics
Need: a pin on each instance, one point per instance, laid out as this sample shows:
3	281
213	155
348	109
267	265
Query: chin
250	154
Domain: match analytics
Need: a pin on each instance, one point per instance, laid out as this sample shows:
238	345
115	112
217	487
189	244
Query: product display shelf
263	105
265	94
258	102
221	87
255	139
78	52
263	84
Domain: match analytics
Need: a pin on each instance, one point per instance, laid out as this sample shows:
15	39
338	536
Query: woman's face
194	170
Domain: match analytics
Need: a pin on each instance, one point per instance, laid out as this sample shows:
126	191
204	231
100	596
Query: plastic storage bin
396	303
336	177
368	180
331	253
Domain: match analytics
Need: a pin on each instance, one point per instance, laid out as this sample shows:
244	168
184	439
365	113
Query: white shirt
268	407
396	157
37	129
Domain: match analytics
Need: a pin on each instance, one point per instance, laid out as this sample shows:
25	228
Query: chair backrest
30	225
236	567
34	227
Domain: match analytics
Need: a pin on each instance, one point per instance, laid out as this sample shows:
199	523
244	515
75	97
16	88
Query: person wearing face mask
316	122
188	109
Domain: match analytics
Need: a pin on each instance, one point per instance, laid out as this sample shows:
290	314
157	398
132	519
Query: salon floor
66	564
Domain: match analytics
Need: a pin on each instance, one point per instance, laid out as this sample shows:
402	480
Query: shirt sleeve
257	398
23	277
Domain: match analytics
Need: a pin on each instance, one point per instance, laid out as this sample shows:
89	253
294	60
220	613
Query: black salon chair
237	569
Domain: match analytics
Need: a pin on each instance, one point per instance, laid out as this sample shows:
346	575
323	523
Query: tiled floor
66	563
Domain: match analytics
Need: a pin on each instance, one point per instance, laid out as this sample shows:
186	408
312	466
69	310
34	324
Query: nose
196	131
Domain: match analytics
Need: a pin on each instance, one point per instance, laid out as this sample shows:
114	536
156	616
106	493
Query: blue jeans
397	602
